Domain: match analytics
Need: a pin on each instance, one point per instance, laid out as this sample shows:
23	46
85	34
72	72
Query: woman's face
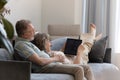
47	45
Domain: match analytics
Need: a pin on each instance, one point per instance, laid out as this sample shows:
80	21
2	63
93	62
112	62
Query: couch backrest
4	55
56	31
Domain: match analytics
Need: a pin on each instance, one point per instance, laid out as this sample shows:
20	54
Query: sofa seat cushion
57	44
105	71
48	76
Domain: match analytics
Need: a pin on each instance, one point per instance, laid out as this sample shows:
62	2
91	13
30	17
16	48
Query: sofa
20	70
11	69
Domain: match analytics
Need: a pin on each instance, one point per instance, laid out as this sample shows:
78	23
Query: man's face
29	32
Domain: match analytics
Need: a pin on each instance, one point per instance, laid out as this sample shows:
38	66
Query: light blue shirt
25	48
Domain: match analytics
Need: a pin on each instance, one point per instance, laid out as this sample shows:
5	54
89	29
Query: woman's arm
80	51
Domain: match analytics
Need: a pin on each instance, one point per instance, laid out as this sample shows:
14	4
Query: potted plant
6	28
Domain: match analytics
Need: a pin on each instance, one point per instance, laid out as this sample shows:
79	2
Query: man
41	61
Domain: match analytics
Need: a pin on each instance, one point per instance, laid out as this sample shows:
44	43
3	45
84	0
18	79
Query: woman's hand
80	49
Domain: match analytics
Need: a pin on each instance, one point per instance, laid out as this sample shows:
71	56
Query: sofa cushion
53	76
105	71
59	30
97	52
57	44
4	55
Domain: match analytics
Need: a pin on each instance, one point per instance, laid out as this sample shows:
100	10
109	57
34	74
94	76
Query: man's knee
78	69
86	67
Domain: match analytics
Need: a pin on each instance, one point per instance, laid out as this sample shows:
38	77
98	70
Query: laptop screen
72	46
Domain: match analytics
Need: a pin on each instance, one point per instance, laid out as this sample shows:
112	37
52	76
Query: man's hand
59	58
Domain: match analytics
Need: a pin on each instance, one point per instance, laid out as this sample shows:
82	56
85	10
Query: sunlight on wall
117	29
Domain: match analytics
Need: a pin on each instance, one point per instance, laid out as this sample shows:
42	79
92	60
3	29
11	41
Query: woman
43	43
41	40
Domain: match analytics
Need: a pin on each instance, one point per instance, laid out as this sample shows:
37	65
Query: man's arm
28	52
43	61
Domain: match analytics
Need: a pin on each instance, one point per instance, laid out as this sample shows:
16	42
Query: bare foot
93	30
92	25
99	36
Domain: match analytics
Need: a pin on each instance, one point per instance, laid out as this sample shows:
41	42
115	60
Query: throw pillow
58	43
107	57
97	52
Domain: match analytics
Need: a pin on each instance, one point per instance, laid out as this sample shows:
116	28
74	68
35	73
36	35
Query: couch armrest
15	70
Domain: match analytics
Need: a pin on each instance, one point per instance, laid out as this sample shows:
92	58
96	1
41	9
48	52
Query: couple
41	60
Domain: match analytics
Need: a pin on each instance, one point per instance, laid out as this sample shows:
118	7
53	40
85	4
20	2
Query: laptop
72	46
15	70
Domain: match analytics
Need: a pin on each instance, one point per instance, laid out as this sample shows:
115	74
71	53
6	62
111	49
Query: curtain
97	12
117	28
105	14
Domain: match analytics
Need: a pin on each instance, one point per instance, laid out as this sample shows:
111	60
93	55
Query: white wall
44	12
77	11
60	12
116	59
25	9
